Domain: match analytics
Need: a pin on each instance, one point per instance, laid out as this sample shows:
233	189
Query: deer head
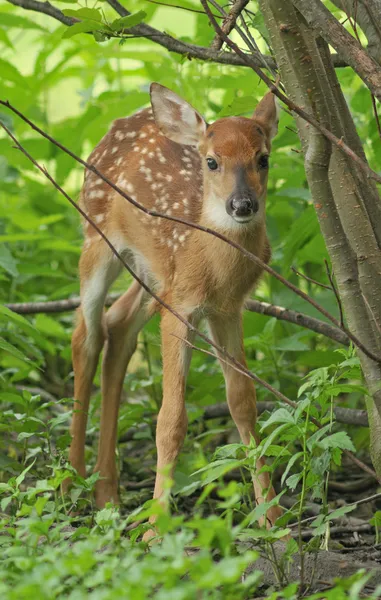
234	154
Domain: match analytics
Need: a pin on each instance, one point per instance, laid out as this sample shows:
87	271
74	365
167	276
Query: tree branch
45	8
365	15
291	316
321	20
190	51
291	105
229	22
263	308
347	416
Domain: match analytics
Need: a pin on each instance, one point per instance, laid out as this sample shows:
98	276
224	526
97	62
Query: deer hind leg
172	420
226	331
124	320
98	270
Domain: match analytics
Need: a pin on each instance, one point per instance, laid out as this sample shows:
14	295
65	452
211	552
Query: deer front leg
226	331
172	420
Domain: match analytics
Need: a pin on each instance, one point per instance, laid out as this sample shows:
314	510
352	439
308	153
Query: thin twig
376	117
377	324
335	291
230	20
291	105
358	503
353	23
322	285
252	257
168	5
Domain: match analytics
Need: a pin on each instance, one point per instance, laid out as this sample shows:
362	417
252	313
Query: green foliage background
73	88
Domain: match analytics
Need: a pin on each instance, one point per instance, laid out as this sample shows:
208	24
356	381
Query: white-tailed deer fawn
168	158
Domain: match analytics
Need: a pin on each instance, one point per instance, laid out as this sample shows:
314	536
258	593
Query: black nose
242	207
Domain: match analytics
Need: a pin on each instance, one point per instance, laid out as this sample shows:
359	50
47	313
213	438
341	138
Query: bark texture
347	204
366	13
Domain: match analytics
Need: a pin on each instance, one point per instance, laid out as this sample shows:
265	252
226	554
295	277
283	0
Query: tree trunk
347	203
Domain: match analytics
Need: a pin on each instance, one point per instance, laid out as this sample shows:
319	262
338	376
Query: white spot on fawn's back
96	194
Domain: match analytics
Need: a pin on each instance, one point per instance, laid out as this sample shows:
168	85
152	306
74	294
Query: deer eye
212	164
263	162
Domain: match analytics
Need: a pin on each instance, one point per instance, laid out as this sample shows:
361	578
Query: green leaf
129	21
10	20
50	327
217	469
11	349
258	23
282	415
290	464
314	439
21	477
8	315
293	481
83	14
261	509
239	106
338	440
7	262
343	510
5	39
10	73
264	534
269	440
292	343
376	520
82	27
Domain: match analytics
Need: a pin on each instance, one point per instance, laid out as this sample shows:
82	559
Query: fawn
168	158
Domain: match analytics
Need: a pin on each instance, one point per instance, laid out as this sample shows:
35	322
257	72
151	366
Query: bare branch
44	7
362	501
339	143
229	22
318	283
165	40
347	416
187	8
322	21
263	308
291	316
335	291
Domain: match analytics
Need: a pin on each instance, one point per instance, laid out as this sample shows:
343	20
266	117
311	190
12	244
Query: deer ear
175	118
267	114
